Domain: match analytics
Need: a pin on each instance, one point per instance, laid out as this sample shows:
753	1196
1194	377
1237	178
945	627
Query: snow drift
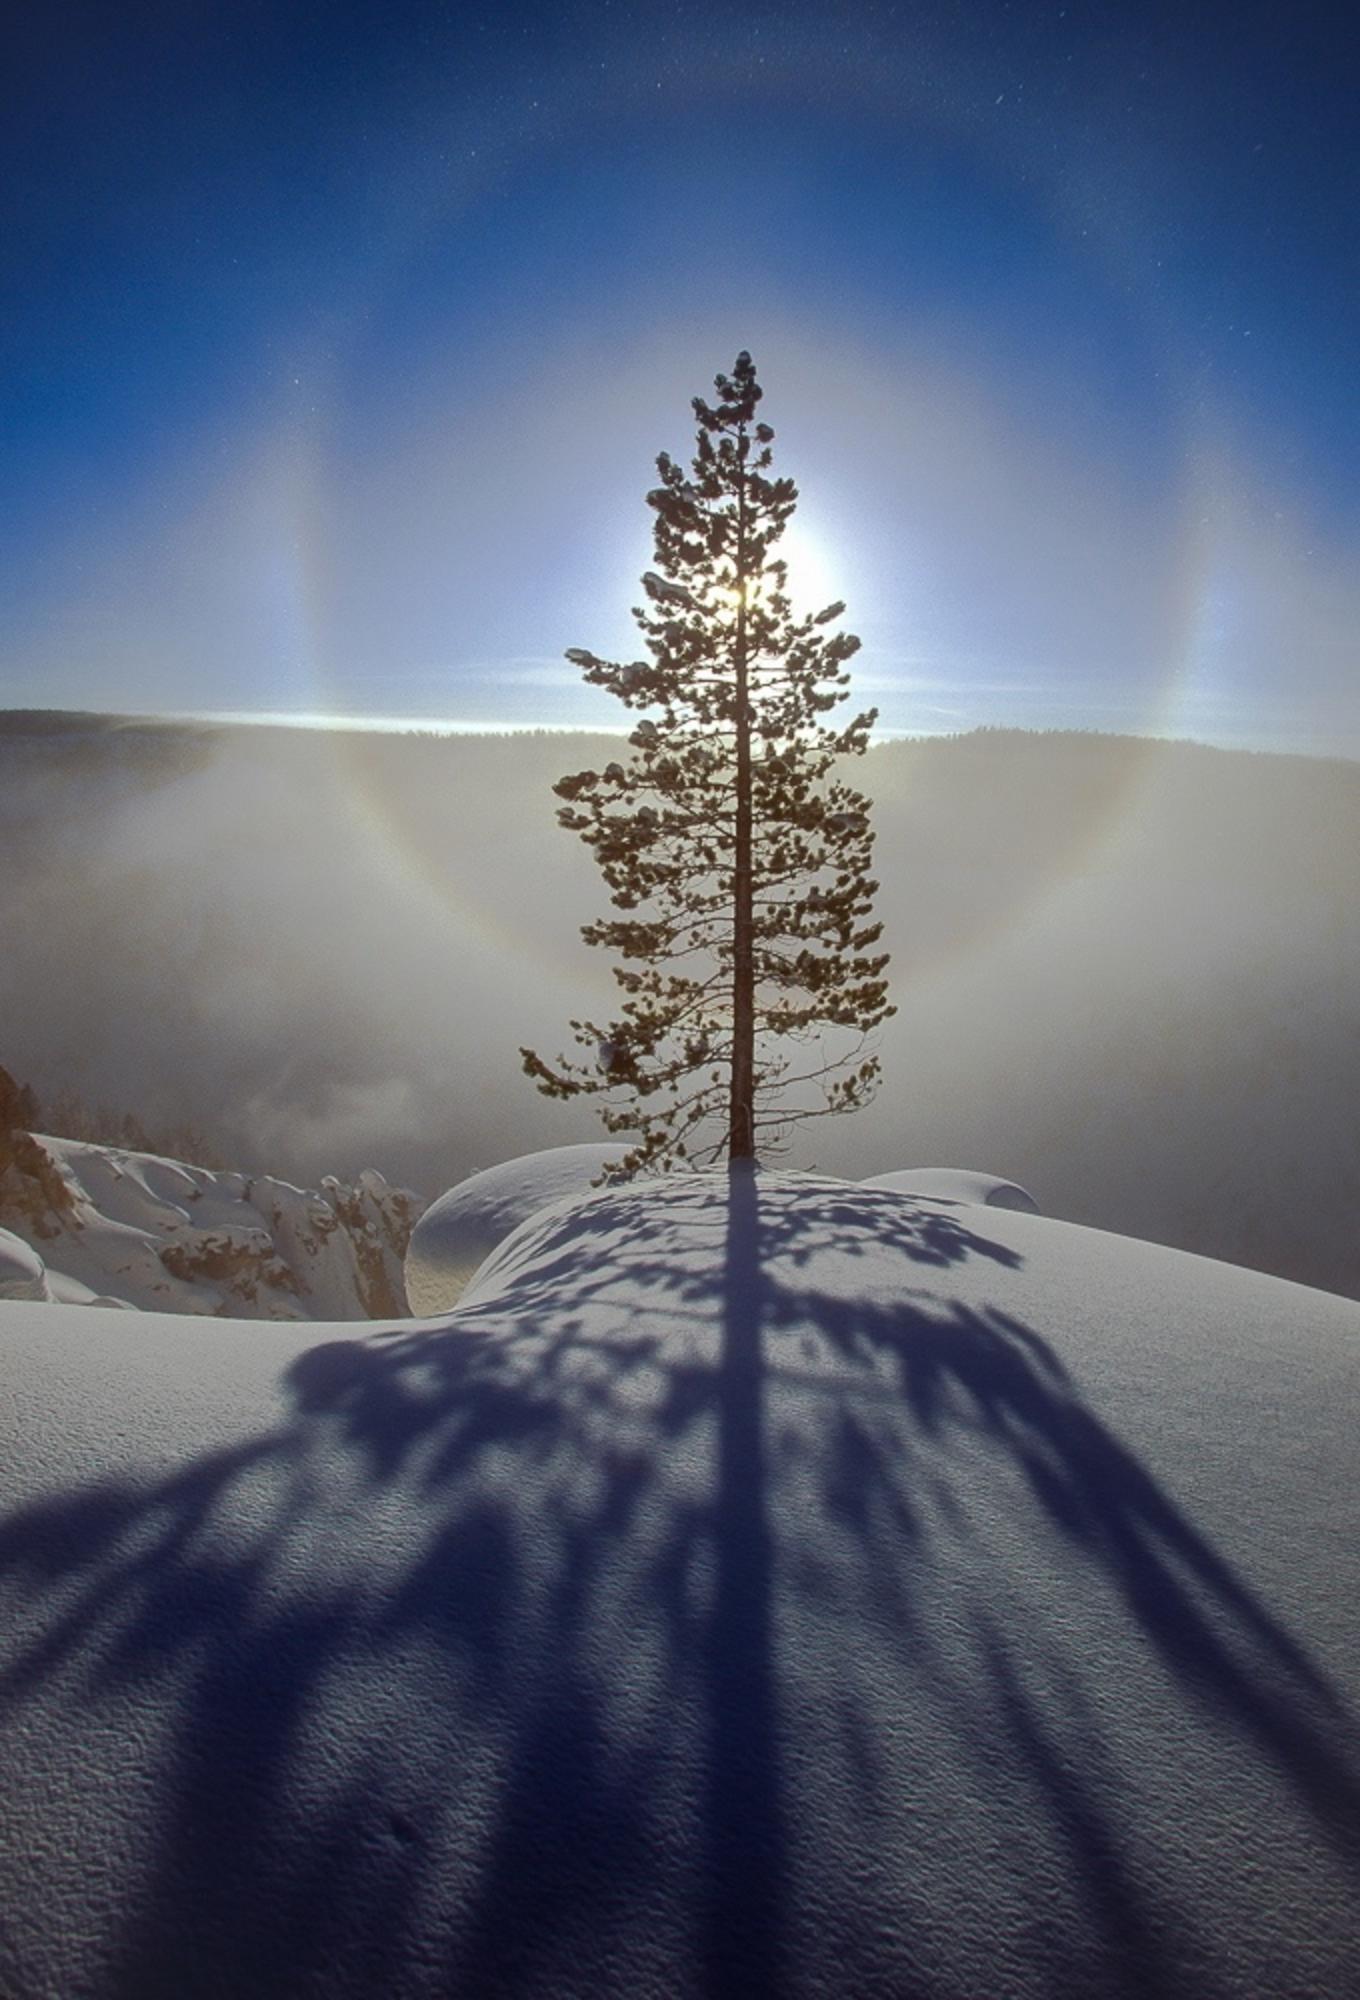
957	1185
22	1275
464	1226
756	1586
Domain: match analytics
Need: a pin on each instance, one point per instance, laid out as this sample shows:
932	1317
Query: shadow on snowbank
710	1608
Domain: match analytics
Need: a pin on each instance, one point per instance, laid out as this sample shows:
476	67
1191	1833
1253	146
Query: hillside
753	1587
113	1226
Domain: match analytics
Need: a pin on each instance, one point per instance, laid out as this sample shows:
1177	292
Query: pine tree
736	860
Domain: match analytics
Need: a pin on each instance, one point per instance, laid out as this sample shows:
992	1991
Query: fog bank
1127	972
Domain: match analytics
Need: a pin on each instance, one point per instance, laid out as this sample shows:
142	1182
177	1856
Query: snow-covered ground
459	1230
22	1273
756	1586
958	1186
134	1229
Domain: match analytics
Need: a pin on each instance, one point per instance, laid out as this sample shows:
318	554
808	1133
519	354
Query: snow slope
22	1275
464	1226
135	1229
764	1586
957	1184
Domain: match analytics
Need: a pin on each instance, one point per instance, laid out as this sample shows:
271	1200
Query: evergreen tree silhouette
737	861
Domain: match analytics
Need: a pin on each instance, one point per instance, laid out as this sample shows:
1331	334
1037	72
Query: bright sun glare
811	578
812	582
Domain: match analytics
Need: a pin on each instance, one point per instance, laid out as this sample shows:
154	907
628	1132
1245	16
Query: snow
956	1184
163	1236
465	1225
662	591
22	1275
757	1585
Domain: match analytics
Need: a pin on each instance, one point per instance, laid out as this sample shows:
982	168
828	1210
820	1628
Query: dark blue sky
339	343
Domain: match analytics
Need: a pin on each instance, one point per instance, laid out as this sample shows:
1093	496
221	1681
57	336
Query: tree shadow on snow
547	1652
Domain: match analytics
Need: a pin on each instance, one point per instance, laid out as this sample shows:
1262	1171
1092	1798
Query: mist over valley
1127	971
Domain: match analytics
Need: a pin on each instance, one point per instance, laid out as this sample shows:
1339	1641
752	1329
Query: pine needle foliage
736	859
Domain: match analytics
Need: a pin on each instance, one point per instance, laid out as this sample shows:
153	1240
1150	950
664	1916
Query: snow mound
957	1184
761	1586
128	1228
465	1225
23	1275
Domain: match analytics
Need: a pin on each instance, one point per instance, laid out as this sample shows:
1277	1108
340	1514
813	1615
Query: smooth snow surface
23	1275
465	1225
956	1184
759	1587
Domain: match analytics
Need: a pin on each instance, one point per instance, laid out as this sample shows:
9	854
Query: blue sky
340	343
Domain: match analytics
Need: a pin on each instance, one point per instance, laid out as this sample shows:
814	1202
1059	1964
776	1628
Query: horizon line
448	726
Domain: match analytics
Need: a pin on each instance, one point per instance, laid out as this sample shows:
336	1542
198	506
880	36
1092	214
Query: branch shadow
484	1670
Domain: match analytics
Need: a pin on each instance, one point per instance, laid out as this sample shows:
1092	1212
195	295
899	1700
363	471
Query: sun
812	570
811	573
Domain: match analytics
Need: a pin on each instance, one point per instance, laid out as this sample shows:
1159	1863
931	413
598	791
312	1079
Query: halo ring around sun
1115	261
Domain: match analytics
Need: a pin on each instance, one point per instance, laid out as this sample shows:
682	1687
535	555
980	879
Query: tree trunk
741	1136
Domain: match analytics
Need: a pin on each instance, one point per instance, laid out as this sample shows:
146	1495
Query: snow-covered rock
464	1226
132	1228
957	1184
757	1586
